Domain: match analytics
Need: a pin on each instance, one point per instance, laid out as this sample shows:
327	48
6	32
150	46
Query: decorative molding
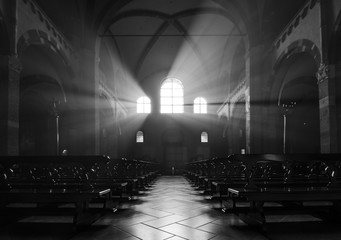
295	22
228	105
54	35
322	73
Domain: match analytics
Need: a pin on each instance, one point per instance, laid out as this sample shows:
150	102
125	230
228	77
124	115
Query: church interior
170	119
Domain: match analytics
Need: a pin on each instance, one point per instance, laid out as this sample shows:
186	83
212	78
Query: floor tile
187	232
172	210
154	212
197	221
146	232
102	233
161	222
121	219
176	238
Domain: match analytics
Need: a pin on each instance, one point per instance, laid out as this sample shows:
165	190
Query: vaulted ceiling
189	39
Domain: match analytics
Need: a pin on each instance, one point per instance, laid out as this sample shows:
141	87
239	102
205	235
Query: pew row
300	182
79	180
81	212
308	183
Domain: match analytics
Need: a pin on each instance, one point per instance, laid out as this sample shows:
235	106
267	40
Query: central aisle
171	209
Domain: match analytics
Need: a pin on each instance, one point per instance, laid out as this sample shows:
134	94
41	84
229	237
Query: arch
296	47
172	20
37	116
167	17
38	60
297	128
38	37
302	121
43	79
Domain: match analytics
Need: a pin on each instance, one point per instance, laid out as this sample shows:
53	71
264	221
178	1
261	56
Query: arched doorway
298	103
39	112
42	100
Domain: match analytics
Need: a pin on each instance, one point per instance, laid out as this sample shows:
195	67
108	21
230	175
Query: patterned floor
170	209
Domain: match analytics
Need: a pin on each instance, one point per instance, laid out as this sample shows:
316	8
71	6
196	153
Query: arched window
139	137
204	137
143	105
200	105
172	96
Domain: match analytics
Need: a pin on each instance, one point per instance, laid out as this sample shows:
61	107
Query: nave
171	208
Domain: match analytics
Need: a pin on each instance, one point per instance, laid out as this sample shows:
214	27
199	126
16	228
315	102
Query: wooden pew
304	178
136	174
233	176
52	180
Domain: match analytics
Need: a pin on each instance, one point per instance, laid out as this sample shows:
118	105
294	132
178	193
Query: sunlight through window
200	106
143	105
204	137
139	137
172	96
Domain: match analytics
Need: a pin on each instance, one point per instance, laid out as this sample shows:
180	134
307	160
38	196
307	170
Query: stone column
14	70
254	99
328	131
89	122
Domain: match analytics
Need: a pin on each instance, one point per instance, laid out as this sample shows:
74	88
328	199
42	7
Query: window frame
139	137
204	137
171	96
200	105
145	104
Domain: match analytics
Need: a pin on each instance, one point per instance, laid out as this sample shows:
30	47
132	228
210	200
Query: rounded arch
292	66
41	55
295	95
38	37
40	111
297	47
45	122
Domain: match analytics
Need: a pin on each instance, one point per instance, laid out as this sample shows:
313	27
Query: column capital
322	73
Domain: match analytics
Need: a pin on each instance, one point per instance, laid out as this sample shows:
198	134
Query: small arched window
200	105
139	137
172	96
143	105
204	137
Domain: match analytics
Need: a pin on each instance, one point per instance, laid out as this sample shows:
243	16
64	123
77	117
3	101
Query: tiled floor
171	209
